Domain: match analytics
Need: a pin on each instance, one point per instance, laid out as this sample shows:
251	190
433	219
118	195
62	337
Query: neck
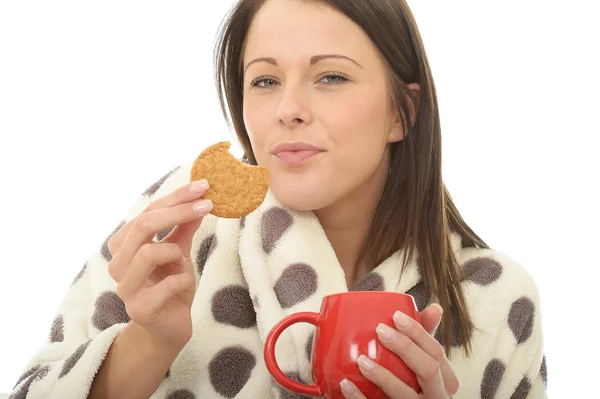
347	223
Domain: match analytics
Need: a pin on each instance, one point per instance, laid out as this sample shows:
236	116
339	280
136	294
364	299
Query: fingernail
202	207
347	387
366	363
386	332
401	319
199	186
439	307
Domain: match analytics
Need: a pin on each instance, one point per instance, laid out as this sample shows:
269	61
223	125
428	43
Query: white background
99	100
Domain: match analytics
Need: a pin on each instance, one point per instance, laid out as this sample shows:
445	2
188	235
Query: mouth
291	157
297	153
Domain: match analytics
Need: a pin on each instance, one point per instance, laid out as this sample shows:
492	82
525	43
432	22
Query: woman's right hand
156	280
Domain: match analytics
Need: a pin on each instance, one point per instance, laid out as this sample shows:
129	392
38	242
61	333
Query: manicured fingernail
202	207
347	387
385	332
366	363
199	186
401	319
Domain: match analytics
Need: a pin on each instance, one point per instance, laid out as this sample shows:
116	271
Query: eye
269	82
335	78
331	78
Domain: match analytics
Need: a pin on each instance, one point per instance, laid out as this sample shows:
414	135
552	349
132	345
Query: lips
294	157
295	146
297	153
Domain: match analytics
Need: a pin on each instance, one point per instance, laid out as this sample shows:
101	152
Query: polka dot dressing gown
250	273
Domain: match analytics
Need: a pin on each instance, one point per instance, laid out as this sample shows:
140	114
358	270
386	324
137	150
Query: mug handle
269	353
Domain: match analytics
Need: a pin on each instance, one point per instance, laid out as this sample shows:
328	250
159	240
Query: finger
431	318
158	295
426	368
385	379
145	261
148	224
351	391
189	192
186	193
420	351
183	235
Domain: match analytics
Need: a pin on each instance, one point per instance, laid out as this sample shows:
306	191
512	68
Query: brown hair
416	210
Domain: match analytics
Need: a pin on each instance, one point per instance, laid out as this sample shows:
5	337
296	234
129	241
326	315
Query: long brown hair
416	210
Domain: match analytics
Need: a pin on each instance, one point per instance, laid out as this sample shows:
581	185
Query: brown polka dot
41	373
520	319
544	371
371	282
206	249
284	393
154	187
482	270
57	331
168	373
80	274
454	335
492	376
181	394
309	346
421	294
104	250
296	283
109	310
72	360
161	235
230	369
522	389
27	374
242	222
275	223
36	376
232	305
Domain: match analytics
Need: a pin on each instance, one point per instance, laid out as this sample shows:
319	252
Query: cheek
256	125
358	130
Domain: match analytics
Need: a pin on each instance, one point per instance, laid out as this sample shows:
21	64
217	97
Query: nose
293	108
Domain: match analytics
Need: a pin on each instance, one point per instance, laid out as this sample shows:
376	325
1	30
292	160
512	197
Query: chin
300	196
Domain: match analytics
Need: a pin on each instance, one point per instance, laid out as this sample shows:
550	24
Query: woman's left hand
414	343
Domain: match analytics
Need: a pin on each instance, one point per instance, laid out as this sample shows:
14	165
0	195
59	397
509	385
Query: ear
396	132
415	88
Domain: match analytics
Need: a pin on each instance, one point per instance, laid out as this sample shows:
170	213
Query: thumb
431	318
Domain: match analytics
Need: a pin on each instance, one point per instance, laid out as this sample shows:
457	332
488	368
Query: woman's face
316	104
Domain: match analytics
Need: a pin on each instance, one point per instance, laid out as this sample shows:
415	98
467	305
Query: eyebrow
313	60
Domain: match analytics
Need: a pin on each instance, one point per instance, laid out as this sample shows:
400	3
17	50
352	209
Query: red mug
345	329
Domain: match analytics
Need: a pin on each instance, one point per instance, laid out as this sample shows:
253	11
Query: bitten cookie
236	189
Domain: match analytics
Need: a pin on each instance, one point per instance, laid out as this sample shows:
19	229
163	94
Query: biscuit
236	189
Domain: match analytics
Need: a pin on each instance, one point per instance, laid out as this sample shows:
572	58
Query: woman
336	99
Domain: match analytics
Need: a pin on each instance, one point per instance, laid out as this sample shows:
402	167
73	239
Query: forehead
298	28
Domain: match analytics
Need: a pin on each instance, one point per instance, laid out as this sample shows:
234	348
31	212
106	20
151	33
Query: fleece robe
252	272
